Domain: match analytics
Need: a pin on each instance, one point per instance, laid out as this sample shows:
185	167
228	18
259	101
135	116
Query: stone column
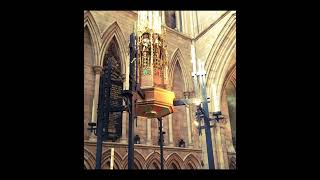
125	119
204	148
214	147
195	23
149	141
182	22
163	20
170	130
97	71
177	20
189	125
185	22
224	147
219	146
191	24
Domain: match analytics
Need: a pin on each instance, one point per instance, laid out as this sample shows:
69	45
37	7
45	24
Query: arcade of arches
206	36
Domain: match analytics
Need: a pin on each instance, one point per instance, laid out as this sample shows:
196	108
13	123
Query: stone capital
123	77
191	94
97	69
186	94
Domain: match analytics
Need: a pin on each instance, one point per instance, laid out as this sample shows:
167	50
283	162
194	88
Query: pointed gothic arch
219	58
229	101
139	161
175	161
153	161
94	32
113	32
89	77
230	77
89	159
113	56
177	58
106	157
191	160
89	53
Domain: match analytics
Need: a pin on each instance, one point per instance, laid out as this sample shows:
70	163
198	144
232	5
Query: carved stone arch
177	57
230	77
155	165
113	32
219	44
152	160
228	100
174	160
219	58
190	165
233	163
94	32
224	72
178	83
190	159
106	157
89	159
139	161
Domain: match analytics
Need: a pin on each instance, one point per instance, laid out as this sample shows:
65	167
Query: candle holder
92	127
218	115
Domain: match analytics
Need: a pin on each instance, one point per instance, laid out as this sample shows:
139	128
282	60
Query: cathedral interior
187	37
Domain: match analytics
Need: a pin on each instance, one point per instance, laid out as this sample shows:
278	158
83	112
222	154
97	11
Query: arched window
179	117
170	18
88	79
114	123
231	99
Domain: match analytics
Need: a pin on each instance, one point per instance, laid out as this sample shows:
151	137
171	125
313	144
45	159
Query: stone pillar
182	22
224	147
204	148
219	146
195	23
189	125
149	141
185	22
163	20
214	147
191	24
125	119
170	130
177	20
97	71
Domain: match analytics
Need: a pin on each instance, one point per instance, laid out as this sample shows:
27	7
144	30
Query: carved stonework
159	56
232	162
223	121
152	57
186	94
144	54
97	69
